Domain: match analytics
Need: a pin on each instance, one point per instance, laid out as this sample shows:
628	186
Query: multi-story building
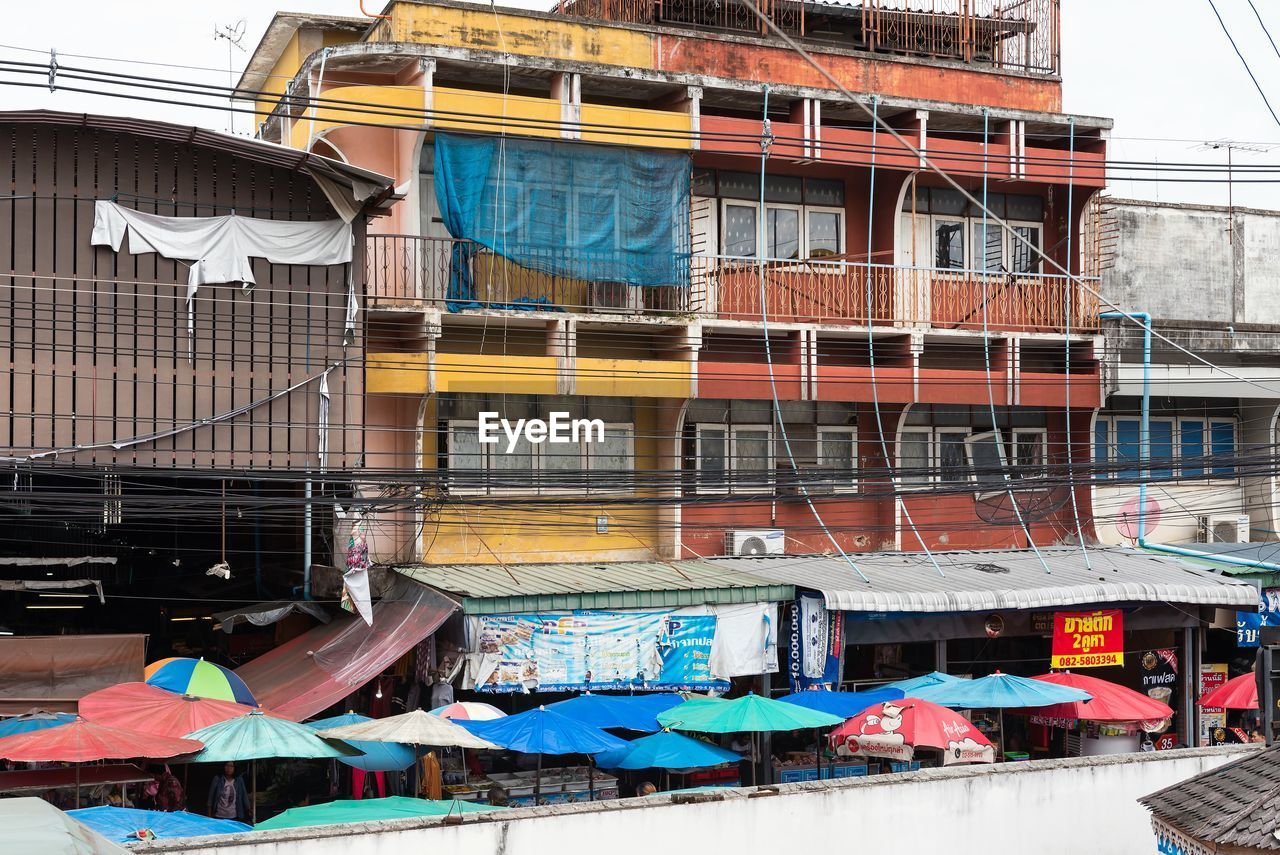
584	229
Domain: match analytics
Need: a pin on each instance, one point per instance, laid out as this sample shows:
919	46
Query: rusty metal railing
408	271
1015	34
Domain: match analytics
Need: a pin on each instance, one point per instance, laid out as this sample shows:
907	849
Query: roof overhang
281	29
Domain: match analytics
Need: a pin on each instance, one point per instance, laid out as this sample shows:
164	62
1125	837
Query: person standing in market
228	798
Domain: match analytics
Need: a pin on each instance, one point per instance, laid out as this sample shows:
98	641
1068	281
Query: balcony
407	272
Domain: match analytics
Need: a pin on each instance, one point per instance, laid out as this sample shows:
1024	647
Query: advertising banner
1213	720
1088	639
1159	680
582	650
816	645
1249	628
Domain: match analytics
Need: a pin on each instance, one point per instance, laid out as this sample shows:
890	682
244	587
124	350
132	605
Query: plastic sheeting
586	212
319	668
52	672
34	825
265	614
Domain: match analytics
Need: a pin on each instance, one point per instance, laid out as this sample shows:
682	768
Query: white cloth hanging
221	248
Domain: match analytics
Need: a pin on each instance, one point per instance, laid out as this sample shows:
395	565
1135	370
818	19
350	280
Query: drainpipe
306	540
1145	455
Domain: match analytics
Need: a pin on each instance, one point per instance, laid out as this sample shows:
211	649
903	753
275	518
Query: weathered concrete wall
1048	806
1180	262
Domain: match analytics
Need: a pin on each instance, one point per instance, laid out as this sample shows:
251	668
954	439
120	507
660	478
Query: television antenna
1232	146
234	34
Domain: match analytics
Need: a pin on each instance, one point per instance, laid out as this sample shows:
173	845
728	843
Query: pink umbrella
1238	693
894	729
146	708
468	711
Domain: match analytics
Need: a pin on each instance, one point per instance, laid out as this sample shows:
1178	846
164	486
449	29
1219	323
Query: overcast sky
1161	68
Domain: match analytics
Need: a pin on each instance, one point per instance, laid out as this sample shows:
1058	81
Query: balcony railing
412	272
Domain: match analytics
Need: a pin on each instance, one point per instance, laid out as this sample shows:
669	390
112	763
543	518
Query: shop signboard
583	650
1213	720
1159	671
816	644
1088	639
1249	628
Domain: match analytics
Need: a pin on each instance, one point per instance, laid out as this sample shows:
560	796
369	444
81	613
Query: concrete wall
1179	262
1176	507
1048	806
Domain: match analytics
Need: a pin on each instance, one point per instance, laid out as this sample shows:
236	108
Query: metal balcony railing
413	272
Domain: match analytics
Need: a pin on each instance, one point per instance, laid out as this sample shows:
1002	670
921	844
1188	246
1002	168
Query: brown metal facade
95	343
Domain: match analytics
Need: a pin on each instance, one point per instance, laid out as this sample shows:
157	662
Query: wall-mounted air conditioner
1213	528
615	297
755	542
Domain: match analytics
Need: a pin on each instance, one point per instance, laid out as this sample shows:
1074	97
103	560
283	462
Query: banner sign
1249	628
1212	719
584	650
816	645
1088	639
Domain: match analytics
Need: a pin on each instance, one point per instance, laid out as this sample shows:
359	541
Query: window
838	453
1102	446
546	467
948	244
951	220
1179	447
740	231
922	450
914	458
1191	447
782	232
1022	259
1030	453
824	233
1161	448
790	231
988	247
953	461
1222	444
1128	447
987	459
738	458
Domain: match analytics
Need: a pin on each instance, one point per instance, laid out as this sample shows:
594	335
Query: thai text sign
1088	639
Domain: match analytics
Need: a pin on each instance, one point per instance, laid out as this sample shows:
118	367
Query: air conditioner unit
1223	529
758	542
615	297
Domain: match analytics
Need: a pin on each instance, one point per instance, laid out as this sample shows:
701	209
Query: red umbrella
80	741
1111	702
894	729
1238	693
148	709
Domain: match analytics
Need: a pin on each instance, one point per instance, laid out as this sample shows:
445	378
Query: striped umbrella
468	711
197	677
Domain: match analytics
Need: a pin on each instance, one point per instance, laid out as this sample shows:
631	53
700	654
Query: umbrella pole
817	749
253	782
77	786
591	777
755	756
1002	734
537	782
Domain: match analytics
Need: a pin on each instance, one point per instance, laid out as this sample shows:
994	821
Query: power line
1244	61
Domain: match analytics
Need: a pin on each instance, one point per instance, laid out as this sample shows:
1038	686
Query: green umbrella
367	810
254	736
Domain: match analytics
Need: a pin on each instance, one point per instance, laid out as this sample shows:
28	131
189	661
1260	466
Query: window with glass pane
1128	445
824	191
616	455
782	227
952	462
713	457
988	248
986	457
1191	447
913	457
740	231
948	244
1028	454
466	457
1024	258
1161	449
752	457
1102	445
783	188
1222	441
824	233
557	459
516	468
838	452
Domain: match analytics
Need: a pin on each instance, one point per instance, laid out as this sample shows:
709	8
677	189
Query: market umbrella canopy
378	756
666	750
843	704
1111	702
933	678
749	714
34	825
543	731
146	708
255	736
369	810
894	729
1238	693
123	824
999	691
38	720
197	677
81	741
623	712
415	727
468	711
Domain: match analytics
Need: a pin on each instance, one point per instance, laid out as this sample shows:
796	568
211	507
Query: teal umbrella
255	736
367	810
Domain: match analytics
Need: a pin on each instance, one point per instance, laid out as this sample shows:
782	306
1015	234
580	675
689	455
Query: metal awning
978	581
501	589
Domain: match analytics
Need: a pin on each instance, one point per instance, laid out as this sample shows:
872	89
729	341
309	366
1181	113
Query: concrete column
1237	269
567	87
1188	712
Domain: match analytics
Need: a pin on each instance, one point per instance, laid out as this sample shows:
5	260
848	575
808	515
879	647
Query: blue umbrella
624	712
843	704
666	750
34	721
378	756
999	691
933	678
122	824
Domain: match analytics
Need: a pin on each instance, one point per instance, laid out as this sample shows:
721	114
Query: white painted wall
1050	807
1179	506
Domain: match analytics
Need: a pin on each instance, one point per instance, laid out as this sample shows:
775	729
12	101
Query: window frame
725	204
770	462
928	477
802	231
630	489
806	250
803	212
850	486
957	220
1043	442
952	430
699	429
537	457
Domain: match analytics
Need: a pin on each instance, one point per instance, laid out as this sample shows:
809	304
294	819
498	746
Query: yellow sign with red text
1088	639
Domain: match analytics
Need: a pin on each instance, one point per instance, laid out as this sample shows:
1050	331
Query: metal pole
306	541
537	781
77	785
1190	728
1144	435
253	801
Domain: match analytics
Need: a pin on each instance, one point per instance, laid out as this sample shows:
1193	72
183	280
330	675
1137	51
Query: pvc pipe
1211	556
1144	435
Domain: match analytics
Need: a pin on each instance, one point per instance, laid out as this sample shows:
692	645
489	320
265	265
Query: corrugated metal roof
1004	579
499	589
1236	805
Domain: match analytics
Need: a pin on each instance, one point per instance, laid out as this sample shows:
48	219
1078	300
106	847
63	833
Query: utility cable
1071	487
1244	61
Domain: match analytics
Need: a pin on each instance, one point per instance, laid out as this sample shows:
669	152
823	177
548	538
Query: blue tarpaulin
589	212
123	824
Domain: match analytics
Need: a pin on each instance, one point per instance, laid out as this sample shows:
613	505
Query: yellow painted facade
282	72
396	373
513	375
407	374
636	126
515	34
493	112
459	534
624	378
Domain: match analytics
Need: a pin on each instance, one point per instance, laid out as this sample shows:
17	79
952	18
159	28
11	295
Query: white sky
1161	68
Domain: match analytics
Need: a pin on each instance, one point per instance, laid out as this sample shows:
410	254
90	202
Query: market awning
506	588
979	581
52	672
41	780
319	668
